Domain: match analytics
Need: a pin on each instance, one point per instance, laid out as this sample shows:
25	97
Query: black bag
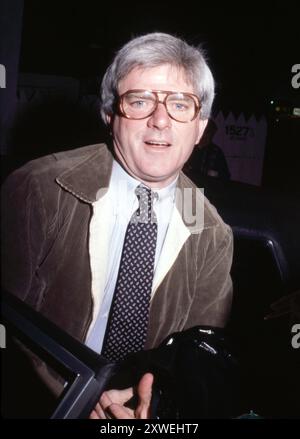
195	375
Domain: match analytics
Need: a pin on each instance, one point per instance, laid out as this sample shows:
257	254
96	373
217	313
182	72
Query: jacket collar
92	173
89	178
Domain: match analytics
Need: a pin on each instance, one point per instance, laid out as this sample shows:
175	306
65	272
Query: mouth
158	143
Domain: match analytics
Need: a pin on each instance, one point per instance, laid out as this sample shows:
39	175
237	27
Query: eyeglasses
139	104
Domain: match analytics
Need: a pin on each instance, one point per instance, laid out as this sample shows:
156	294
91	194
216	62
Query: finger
120	412
144	388
144	391
94	415
105	400
98	409
115	396
121	396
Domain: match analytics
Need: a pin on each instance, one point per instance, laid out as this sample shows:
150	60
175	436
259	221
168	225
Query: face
153	150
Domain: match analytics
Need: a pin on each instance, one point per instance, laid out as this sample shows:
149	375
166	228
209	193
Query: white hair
153	50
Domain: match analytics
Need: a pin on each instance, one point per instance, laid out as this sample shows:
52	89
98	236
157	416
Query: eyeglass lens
140	104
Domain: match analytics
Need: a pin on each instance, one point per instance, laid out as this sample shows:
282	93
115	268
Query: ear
201	128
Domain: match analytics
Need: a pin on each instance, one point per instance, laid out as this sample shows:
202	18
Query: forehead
163	77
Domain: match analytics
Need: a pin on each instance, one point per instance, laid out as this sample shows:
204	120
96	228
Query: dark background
251	51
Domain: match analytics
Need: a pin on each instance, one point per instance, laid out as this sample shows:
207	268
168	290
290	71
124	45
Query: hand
112	402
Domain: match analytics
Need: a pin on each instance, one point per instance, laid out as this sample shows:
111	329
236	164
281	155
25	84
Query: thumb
144	391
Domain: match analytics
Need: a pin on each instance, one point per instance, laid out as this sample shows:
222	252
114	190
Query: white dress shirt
111	214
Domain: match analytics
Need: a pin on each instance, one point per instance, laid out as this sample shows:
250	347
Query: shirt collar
120	175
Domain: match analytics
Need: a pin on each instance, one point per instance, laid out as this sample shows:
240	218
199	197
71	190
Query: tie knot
146	196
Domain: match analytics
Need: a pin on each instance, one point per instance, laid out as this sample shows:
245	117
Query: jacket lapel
88	180
187	218
176	236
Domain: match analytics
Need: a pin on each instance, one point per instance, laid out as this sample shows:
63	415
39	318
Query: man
208	159
68	215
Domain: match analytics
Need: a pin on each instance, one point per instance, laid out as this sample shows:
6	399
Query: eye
179	106
138	103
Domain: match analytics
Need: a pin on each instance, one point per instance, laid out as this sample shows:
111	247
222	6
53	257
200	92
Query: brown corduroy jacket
47	209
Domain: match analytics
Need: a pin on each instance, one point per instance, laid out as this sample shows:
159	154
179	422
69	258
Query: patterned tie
128	321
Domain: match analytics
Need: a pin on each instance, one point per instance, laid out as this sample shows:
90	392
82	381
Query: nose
160	118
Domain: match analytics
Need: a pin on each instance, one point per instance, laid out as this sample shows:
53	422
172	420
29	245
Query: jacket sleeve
23	233
213	298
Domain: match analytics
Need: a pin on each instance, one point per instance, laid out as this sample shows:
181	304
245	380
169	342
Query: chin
156	176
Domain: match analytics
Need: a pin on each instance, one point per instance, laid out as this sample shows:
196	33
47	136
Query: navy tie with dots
129	314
